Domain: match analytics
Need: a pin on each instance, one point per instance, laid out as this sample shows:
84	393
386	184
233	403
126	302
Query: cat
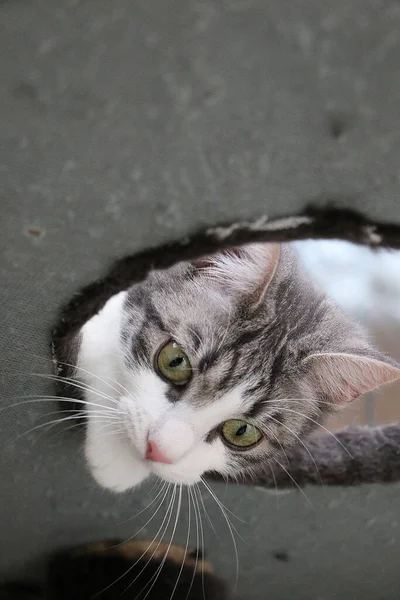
115	569
216	366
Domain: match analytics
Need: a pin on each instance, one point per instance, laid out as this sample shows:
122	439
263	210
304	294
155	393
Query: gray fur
353	456
232	342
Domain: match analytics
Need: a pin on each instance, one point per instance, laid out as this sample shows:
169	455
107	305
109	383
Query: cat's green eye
240	434
173	364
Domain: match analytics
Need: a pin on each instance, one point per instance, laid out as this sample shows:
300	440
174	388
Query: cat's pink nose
154	453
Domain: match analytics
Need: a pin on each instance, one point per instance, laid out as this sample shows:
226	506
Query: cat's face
216	366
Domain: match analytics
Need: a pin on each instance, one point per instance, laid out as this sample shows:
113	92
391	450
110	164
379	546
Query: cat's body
261	356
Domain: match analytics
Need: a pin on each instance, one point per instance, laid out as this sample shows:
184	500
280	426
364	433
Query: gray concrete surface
125	124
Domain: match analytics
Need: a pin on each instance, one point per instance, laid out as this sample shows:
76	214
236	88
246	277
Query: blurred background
366	284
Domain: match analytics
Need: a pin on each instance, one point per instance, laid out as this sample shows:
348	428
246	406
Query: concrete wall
126	124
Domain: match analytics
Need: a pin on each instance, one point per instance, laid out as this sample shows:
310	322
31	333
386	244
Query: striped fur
265	344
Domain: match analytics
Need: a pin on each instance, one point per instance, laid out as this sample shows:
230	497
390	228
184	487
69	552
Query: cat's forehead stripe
249	335
153	316
277	366
231	372
196	337
258	408
208	360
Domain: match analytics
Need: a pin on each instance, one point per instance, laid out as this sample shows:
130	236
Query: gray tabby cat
216	366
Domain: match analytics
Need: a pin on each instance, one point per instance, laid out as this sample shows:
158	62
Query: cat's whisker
157	485
72	382
202	533
76	384
212	493
168	514
164	490
186	549
157	574
37	398
294	481
114	432
229	524
281	447
101	429
106	418
159	492
129	361
276	487
145	551
220	504
278	401
46	431
196	485
321	427
47	424
81	414
301	442
196	510
254	476
63	431
73	366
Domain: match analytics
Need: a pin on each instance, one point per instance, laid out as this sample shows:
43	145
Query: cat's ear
341	377
243	271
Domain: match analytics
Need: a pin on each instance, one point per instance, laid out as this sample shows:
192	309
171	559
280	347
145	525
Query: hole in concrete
132	270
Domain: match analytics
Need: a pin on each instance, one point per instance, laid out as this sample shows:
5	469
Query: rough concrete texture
125	124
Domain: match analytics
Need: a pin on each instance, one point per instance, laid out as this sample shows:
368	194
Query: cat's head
218	366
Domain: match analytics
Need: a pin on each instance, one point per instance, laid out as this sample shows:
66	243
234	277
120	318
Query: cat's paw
116	478
112	462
